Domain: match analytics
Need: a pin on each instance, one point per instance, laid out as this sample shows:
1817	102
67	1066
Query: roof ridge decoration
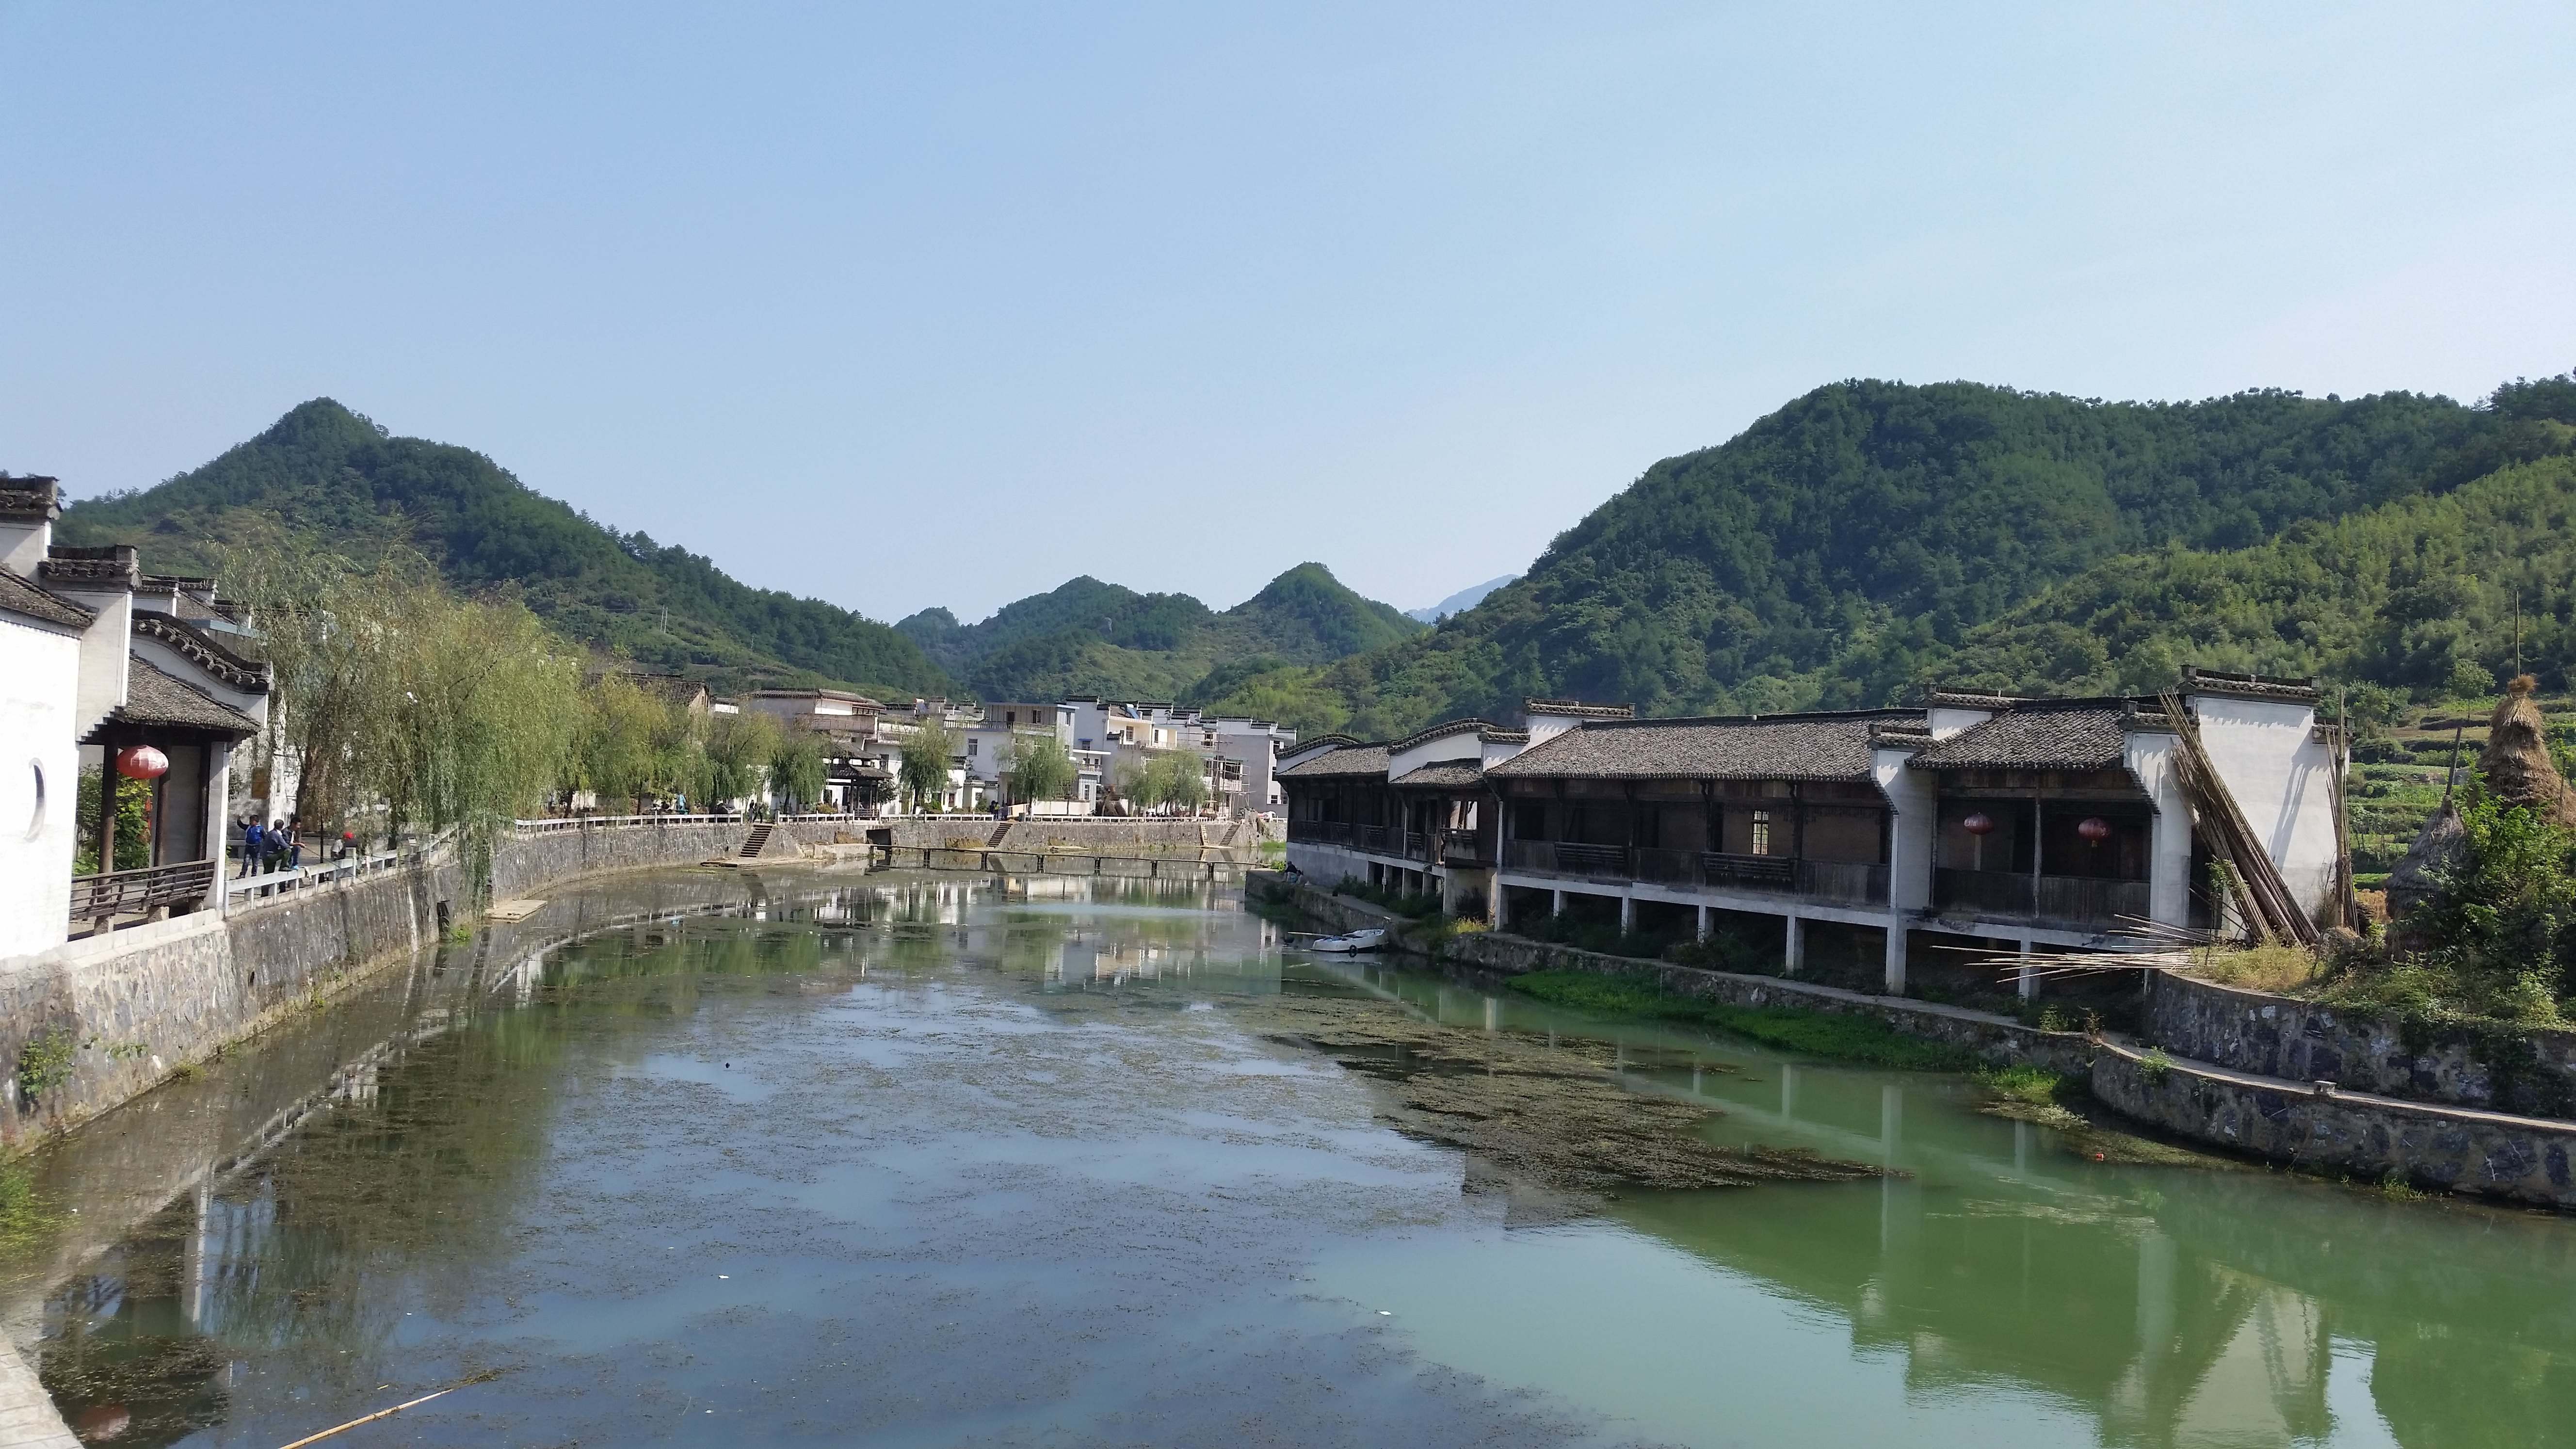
113	565
1818	716
2302	690
31	497
1938	696
197	648
1577	709
1441	730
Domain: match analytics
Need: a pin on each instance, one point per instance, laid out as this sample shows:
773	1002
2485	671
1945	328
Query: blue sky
946	304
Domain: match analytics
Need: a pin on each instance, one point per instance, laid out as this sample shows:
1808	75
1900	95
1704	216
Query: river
911	1159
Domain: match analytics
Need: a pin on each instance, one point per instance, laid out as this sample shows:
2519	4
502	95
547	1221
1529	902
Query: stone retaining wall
2487	1154
137	1004
2282	1036
1089	834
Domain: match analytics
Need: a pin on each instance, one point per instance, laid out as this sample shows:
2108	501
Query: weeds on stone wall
2155	1066
1403	903
45	1062
1602	937
1864	1039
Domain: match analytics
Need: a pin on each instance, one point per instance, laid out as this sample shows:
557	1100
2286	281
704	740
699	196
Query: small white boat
1367	940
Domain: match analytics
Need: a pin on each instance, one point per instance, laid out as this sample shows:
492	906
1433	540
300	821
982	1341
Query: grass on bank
1863	1039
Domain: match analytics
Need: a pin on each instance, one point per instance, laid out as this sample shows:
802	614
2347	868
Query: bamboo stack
2262	899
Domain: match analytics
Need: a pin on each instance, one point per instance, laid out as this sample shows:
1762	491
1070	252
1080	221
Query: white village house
98	659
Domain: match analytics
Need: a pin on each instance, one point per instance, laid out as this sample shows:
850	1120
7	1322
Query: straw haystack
2516	763
2437	850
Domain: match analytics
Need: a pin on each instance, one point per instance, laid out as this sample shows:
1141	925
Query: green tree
618	754
2506	914
133	824
1039	767
927	756
1177	779
740	748
796	770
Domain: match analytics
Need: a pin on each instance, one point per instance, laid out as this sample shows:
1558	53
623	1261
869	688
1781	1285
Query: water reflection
973	1106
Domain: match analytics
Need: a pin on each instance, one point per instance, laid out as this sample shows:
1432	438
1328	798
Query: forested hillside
338	481
1871	537
1088	637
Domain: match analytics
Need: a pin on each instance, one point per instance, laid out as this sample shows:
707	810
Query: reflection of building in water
2188	1318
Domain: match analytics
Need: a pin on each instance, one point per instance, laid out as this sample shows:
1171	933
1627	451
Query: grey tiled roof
154	698
1445	774
2084	736
19	596
1349	760
1779	747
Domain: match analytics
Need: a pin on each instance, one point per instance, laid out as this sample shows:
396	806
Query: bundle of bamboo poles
2245	870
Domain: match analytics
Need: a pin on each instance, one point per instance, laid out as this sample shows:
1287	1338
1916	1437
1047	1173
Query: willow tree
1178	779
740	748
1039	767
316	620
615	755
926	758
796	771
486	718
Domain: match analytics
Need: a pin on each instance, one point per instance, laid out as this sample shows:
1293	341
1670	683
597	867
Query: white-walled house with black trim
2021	824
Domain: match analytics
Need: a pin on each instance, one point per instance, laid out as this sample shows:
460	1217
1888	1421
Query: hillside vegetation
1088	637
1871	537
337	481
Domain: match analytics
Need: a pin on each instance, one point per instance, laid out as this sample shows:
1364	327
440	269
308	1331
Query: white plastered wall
2150	758
1463	745
40	671
2282	776
103	652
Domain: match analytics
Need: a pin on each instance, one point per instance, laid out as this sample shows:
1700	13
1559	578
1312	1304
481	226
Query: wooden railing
138	892
1462	847
1841	882
2066	899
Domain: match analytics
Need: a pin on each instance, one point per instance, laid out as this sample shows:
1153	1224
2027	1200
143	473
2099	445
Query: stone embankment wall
2489	1154
131	1007
1092	834
2282	1036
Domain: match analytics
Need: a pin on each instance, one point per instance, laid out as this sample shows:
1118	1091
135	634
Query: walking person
254	848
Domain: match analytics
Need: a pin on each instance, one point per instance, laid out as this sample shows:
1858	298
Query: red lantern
142	762
1977	824
2094	829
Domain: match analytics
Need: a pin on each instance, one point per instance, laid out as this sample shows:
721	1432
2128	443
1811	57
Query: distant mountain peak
1461	601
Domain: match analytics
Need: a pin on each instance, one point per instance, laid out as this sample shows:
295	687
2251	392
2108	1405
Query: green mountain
1873	536
341	481
1088	637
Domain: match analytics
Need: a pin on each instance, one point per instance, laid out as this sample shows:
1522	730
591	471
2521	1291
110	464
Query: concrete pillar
1896	958
2026	979
1556	903
1627	913
1794	947
1700	931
